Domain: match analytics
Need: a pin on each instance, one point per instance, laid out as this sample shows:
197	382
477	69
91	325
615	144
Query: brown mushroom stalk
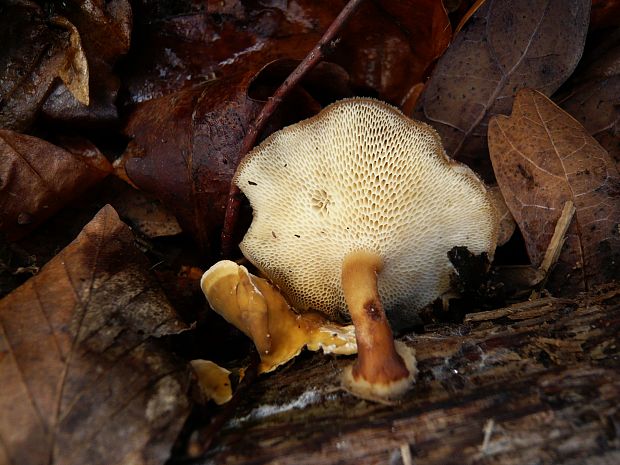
378	362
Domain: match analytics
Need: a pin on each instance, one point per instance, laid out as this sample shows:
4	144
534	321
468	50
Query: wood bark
534	383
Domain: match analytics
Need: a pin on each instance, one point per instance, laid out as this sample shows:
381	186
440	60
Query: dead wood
537	382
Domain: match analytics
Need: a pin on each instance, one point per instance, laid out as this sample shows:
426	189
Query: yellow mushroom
355	210
258	309
213	381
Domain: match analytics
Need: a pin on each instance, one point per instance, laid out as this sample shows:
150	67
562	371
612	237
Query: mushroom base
382	391
380	372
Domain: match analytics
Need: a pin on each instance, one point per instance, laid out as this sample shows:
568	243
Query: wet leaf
38	178
196	135
145	213
169	52
105	30
74	73
543	157
31	58
387	46
503	47
84	380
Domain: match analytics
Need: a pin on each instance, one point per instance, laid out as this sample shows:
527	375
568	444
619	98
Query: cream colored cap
361	176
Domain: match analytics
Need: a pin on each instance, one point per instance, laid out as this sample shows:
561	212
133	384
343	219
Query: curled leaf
31	57
74	73
257	308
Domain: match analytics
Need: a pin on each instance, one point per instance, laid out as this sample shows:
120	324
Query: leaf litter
192	84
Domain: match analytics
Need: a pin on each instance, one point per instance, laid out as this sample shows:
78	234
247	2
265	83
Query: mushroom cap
361	176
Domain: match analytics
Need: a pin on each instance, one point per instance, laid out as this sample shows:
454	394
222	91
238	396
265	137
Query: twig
559	237
405	453
312	59
555	244
488	431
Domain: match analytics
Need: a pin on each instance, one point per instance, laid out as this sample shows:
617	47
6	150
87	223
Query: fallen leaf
74	73
605	14
169	50
197	133
503	47
259	310
191	141
542	158
507	223
83	379
105	32
594	100
37	179
31	59
387	47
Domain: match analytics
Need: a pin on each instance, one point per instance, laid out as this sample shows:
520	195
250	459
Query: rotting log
534	383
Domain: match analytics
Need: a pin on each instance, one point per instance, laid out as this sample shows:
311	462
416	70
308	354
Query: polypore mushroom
257	308
213	381
355	210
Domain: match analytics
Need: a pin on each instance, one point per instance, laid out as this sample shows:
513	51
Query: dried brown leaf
38	178
505	46
542	158
83	379
595	98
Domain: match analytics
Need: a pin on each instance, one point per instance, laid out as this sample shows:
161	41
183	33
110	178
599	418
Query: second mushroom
355	210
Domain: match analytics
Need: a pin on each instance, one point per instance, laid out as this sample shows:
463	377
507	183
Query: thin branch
311	60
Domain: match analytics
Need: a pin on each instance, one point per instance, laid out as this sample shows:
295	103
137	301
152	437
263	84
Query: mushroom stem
382	370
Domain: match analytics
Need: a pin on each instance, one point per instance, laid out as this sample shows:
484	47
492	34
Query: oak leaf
543	158
83	378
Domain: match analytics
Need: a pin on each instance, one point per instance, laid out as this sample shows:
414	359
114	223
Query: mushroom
259	310
213	381
355	210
